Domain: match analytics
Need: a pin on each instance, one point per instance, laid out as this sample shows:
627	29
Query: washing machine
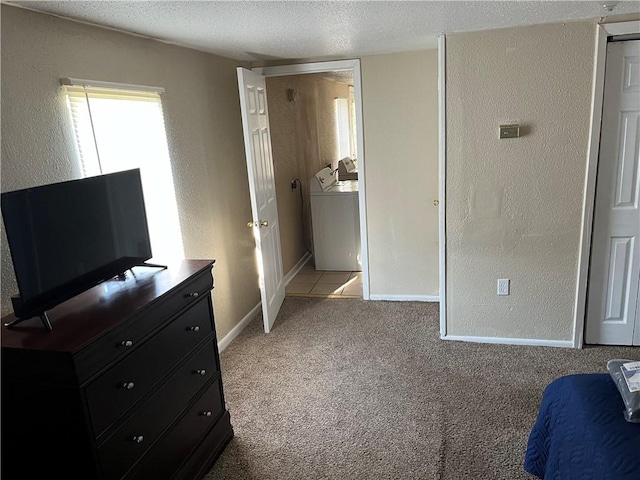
335	222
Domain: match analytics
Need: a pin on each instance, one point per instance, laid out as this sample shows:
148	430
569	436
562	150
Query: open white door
257	145
612	309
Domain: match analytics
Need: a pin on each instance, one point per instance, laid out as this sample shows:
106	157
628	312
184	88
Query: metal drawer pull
195	328
137	438
128	385
201	372
126	343
193	294
205	414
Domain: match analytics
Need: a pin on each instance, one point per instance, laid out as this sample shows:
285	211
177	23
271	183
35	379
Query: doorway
308	102
613	300
312	120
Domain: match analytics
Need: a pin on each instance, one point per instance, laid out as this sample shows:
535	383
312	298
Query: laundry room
312	122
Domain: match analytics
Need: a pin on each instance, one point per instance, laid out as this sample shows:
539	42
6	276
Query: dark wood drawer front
121	386
121	450
117	344
167	455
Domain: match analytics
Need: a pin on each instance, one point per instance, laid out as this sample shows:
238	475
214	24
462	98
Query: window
345	113
118	129
342	127
352	122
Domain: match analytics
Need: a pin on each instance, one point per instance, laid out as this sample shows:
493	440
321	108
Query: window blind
342	127
120	129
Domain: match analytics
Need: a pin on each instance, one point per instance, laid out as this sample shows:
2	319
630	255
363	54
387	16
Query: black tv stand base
123	276
44	318
154	265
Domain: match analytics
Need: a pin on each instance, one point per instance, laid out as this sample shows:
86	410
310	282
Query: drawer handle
201	372
195	328
126	343
137	438
205	414
128	385
193	294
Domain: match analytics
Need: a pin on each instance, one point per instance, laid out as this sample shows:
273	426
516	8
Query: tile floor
310	282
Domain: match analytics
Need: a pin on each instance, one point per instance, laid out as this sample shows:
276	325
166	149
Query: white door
612	309
636	335
257	145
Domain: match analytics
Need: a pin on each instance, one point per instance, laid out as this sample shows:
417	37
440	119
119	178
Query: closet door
612	309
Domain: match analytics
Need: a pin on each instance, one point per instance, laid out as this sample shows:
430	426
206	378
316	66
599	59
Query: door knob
250	224
436	202
264	223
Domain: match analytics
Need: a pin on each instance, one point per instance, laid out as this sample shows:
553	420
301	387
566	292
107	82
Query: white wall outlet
503	286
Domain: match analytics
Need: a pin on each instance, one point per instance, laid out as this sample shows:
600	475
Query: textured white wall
400	103
514	206
204	130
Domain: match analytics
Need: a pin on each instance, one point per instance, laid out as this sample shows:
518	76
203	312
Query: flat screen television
67	237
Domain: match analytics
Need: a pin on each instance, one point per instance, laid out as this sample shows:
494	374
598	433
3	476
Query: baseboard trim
534	342
296	268
235	331
406	298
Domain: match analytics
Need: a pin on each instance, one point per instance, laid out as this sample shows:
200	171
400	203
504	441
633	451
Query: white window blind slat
83	83
93	92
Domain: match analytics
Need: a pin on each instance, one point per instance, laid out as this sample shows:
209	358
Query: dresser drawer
121	386
117	344
171	450
125	446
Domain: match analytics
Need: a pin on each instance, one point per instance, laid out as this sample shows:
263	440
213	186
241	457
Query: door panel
631	73
257	139
614	276
618	279
627	182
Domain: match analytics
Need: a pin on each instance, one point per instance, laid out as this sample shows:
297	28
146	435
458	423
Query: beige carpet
350	389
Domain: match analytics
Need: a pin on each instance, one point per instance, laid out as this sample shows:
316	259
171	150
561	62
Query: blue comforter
581	432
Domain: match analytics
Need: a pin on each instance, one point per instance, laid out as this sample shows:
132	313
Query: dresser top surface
91	314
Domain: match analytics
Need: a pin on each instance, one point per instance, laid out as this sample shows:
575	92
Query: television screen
66	237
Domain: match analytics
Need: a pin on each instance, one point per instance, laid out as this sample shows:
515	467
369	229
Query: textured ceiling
269	30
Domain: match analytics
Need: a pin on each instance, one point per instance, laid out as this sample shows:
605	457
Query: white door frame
341	65
442	181
602	33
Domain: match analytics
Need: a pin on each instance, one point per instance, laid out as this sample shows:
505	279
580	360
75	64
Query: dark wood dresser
126	386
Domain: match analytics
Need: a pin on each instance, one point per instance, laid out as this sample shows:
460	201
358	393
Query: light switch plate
509	131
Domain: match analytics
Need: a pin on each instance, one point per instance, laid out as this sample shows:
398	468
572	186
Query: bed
581	433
